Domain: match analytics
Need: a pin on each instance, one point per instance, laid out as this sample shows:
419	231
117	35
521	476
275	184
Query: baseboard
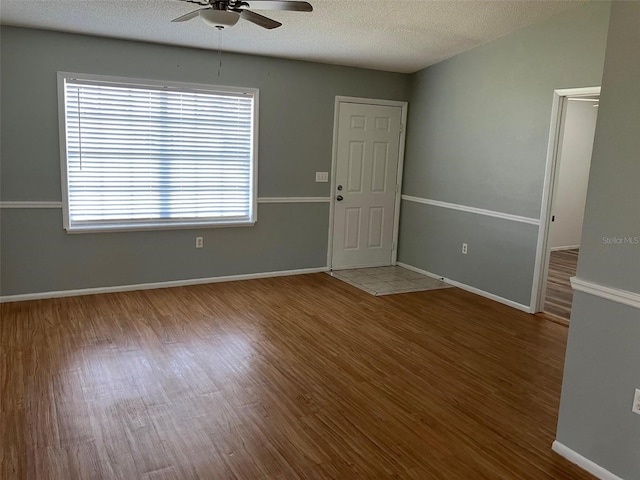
583	462
151	286
477	291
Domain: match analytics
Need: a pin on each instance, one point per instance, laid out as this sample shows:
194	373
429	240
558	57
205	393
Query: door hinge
397	188
393	246
401	128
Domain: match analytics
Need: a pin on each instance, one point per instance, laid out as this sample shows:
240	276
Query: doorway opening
564	199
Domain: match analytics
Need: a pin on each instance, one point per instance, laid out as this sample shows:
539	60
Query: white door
366	179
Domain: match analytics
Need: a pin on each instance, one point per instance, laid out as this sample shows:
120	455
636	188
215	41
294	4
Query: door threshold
553	318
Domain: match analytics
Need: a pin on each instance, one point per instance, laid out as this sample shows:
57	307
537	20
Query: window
140	154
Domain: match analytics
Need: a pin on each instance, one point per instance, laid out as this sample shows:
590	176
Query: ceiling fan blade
280	5
188	16
258	19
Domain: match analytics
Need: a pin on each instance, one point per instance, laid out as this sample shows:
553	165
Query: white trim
62	135
146	82
566	247
578	92
465	208
294	199
370	101
396	214
617	295
477	291
254	145
155	285
141	227
583	462
334	161
31	204
541	264
334	154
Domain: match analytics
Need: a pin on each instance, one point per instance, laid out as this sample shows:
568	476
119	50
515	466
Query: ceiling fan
226	13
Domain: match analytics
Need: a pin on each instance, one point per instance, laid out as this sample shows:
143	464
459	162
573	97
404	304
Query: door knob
339	198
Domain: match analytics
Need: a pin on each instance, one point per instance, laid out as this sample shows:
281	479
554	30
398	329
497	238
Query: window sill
153	226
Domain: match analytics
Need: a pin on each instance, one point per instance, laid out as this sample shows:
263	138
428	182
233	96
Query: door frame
334	160
541	268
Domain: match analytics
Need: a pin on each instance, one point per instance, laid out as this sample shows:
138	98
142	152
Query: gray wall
504	271
477	136
296	134
602	367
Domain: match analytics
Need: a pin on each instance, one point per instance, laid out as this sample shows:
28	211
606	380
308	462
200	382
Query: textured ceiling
393	35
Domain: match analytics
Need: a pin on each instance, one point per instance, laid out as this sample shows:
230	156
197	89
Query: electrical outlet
199	242
636	402
322	177
464	248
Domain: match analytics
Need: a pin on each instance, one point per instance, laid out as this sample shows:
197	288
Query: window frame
138	225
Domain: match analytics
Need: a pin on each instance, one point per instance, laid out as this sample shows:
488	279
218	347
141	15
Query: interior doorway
573	135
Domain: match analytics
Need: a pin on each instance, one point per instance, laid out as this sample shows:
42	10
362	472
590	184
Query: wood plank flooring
563	265
287	378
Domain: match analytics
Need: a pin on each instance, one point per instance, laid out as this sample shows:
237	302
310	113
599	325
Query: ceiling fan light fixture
219	18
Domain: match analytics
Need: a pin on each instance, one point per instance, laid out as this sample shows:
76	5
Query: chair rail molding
617	295
478	211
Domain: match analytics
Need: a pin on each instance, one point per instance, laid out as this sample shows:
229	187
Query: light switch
322	177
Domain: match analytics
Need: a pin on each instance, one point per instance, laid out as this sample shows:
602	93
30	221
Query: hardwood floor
287	378
563	265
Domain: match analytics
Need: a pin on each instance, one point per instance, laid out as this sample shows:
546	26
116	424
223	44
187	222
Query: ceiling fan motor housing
219	18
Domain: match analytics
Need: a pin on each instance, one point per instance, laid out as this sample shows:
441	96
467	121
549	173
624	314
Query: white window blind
140	156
